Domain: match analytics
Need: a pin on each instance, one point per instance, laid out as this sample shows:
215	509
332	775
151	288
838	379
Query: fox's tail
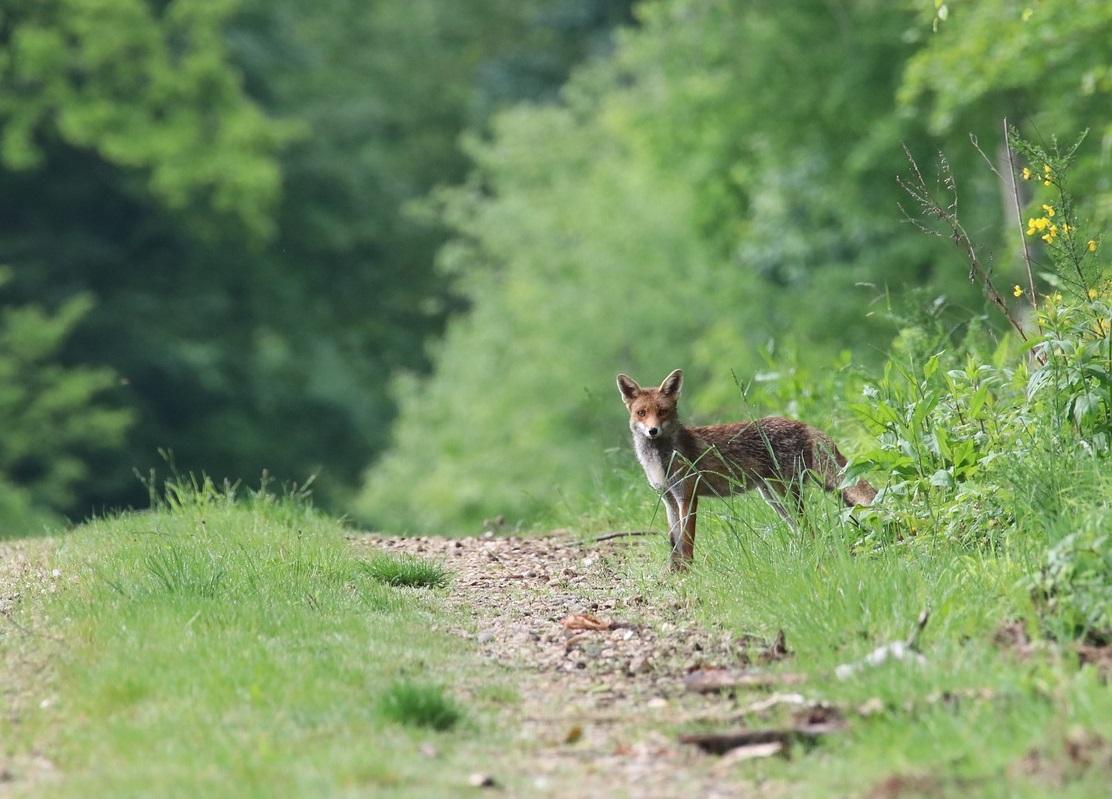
829	469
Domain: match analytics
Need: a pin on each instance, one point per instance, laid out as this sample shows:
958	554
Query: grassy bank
211	647
1001	704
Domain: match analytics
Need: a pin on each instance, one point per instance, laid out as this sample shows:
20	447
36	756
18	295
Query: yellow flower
1027	14
1092	294
1017	291
1035	225
1056	296
1049	209
1047	170
1092	246
1065	229
1050	234
1027	173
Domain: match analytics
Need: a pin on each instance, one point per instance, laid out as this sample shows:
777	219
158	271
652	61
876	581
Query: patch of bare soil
601	668
25	649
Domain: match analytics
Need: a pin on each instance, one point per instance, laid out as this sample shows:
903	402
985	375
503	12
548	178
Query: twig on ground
27	631
622	534
720	743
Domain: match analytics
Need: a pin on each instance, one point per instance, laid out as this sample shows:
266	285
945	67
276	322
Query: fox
772	455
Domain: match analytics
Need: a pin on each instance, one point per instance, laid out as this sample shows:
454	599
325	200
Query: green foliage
1044	65
55	416
406	571
147	88
1074	583
419	706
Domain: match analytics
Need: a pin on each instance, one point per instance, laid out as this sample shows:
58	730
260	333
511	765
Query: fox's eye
641	412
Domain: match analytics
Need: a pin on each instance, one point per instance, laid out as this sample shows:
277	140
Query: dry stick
1019	222
29	632
920	192
623	534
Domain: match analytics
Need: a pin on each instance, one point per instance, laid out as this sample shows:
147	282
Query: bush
984	441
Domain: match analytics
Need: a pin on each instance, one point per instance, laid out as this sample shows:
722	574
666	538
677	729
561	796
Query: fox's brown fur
772	455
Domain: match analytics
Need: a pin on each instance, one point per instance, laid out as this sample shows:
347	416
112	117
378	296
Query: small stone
485	637
638	665
870	707
480	780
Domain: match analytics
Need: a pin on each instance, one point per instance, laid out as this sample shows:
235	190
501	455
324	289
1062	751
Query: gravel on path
599	709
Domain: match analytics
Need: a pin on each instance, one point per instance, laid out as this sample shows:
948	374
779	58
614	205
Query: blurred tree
229	179
54	417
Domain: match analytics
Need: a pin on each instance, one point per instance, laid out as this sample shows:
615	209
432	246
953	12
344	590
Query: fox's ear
628	388
671	385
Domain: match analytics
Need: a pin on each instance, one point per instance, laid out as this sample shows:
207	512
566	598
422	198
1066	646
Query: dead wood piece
622	534
717	743
585	621
706	681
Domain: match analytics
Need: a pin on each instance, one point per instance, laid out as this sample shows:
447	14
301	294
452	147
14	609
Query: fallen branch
623	534
708	681
719	743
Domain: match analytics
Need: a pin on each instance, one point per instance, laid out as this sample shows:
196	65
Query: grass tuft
416	705
406	571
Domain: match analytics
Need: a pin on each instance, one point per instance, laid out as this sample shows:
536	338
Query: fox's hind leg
770	496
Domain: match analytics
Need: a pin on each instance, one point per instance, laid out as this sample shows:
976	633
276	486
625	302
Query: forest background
404	245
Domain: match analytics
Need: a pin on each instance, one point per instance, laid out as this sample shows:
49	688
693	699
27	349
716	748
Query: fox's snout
649	430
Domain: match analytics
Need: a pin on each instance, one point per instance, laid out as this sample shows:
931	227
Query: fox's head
652	411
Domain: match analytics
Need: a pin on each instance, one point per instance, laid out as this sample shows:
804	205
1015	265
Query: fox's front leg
683	546
673	510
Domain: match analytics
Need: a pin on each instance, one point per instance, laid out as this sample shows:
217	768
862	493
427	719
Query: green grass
968	720
419	706
226	648
406	571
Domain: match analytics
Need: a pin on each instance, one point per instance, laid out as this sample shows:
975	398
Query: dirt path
24	676
599	709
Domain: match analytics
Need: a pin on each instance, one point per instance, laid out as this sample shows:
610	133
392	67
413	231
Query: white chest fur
652	462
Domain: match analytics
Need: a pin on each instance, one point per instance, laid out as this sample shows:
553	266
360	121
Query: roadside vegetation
237	647
991	450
